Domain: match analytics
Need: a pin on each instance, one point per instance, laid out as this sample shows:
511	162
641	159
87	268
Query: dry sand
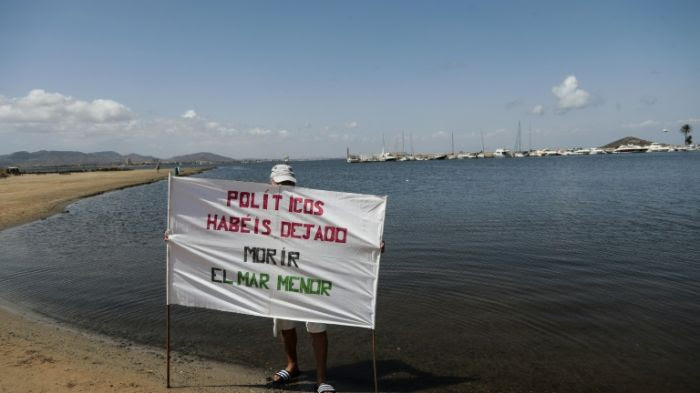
38	355
31	197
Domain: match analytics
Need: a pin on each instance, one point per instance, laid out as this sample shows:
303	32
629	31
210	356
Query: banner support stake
167	287
374	362
167	345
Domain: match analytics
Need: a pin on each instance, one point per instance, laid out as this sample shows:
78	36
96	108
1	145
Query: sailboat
482	153
404	156
350	158
386	156
518	149
452	155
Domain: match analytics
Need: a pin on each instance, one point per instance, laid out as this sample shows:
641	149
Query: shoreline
65	189
45	355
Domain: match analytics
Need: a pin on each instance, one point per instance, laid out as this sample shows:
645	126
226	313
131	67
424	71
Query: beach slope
45	356
31	197
39	355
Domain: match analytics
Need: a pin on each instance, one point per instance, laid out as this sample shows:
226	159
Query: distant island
48	158
628	140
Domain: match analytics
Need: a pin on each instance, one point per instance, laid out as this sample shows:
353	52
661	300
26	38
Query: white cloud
259	131
57	111
688	121
643	124
570	95
55	121
537	110
190	114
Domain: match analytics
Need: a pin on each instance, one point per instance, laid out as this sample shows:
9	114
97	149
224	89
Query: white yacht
501	153
386	156
658	148
630	149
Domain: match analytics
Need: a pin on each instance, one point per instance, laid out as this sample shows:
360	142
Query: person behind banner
283	175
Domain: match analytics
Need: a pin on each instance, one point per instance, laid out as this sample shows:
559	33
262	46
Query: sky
308	79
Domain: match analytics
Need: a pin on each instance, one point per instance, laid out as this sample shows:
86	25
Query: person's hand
382	247
166	236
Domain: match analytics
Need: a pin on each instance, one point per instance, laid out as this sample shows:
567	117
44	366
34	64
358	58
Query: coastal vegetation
686	129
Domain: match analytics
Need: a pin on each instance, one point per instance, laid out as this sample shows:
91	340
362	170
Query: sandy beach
31	197
40	355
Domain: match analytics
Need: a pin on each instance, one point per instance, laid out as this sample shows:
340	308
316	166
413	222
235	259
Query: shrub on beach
6	172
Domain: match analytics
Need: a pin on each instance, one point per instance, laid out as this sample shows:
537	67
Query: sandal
324	388
284	377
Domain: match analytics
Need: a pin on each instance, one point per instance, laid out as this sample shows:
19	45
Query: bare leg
320	343
289	341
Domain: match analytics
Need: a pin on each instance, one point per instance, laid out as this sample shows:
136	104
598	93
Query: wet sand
40	355
45	356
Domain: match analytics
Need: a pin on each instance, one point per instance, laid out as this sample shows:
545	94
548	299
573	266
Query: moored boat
658	148
630	149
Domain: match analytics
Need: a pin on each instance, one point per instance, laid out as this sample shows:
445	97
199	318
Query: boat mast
518	140
453	143
403	144
413	153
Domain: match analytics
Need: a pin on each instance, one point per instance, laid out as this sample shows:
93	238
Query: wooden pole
167	290
374	362
167	345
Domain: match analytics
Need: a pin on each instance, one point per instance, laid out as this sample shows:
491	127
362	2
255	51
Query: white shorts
286	324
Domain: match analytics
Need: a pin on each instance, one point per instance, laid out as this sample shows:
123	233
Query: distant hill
201	157
139	159
59	158
44	158
628	140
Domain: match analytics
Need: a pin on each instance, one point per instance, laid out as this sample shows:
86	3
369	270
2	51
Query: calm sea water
565	274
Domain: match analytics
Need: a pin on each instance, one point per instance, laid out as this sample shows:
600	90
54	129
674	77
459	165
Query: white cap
281	173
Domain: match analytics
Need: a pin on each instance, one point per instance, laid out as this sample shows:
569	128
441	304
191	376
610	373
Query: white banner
274	251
